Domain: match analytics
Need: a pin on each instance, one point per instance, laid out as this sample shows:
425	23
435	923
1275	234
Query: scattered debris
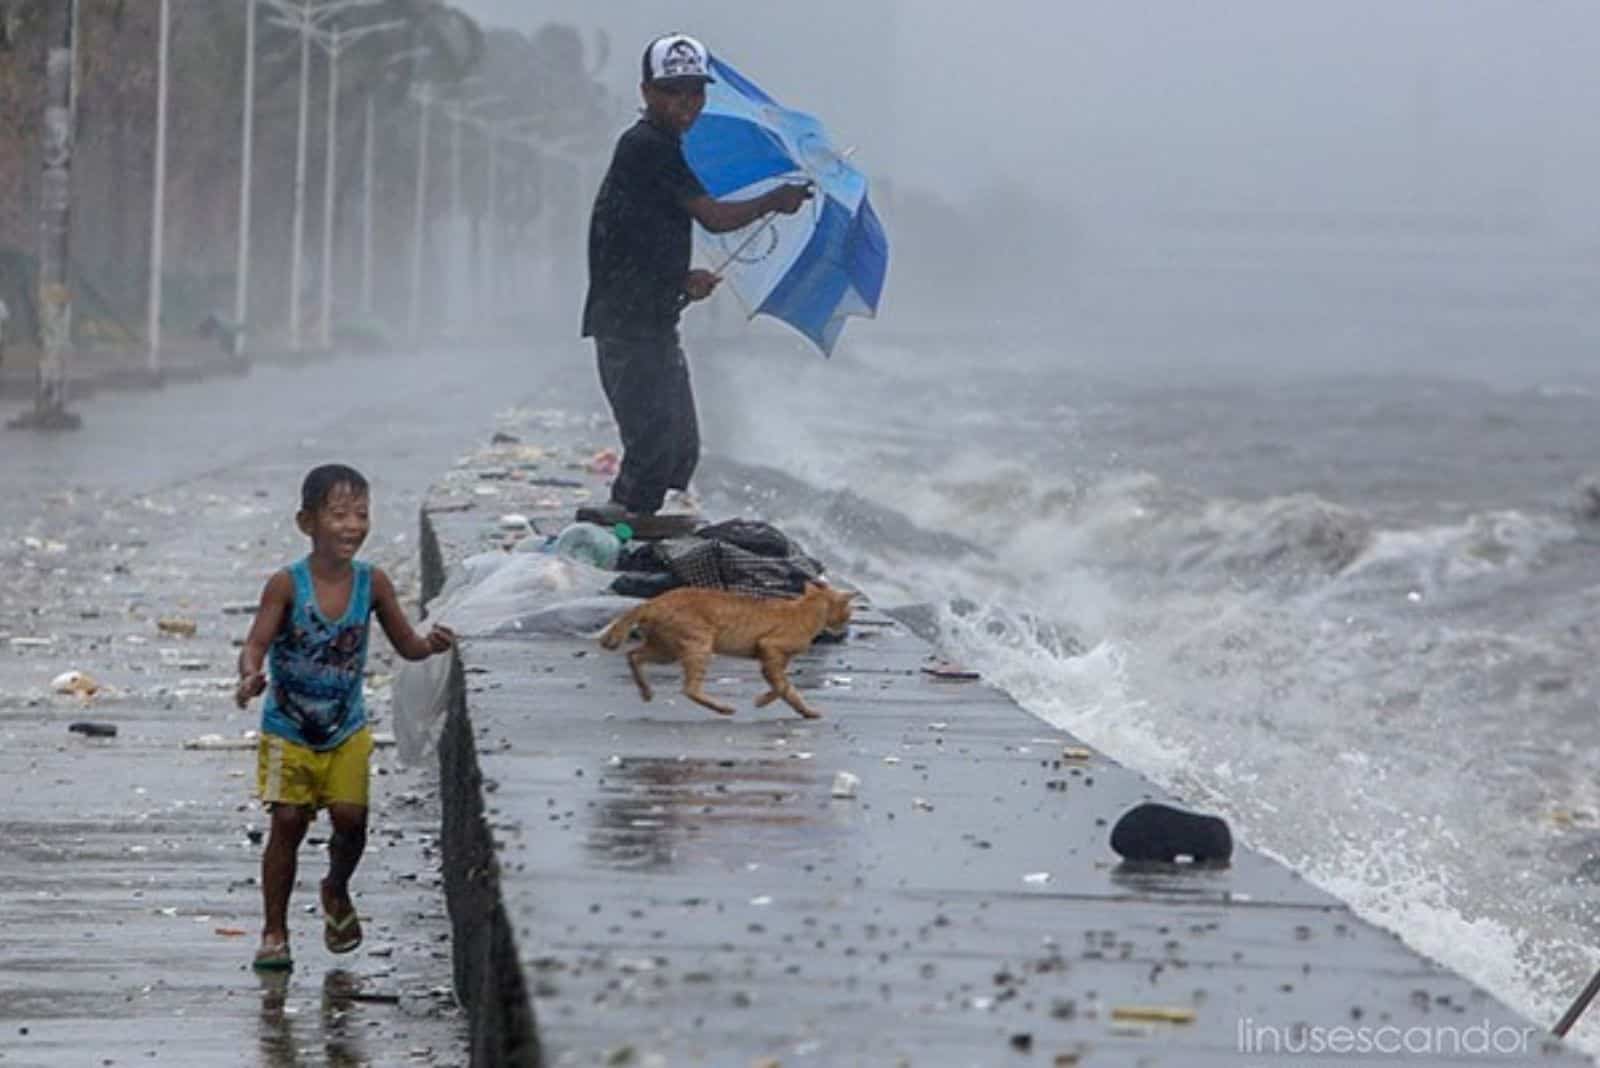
1076	752
248	740
183	628
844	785
1174	1014
1037	878
948	672
32	643
91	729
76	683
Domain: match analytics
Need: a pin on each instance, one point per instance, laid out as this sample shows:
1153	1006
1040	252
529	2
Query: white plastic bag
497	593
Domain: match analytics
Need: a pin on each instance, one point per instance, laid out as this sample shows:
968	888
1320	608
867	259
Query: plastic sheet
497	594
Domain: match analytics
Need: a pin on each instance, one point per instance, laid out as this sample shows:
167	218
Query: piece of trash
183	628
938	726
32	643
40	545
950	672
922	803
76	683
217	741
844	784
1038	878
239	608
838	680
90	729
1154	832
194	665
1076	752
374	998
891	760
1175	1014
231	932
515	521
761	900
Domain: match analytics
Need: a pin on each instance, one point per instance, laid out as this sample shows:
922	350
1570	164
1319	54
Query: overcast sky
1289	104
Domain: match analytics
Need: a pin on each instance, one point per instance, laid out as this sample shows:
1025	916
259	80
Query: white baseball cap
677	57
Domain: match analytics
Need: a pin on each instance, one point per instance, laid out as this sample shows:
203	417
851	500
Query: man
640	244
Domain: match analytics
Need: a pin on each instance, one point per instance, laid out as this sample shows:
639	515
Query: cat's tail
621	627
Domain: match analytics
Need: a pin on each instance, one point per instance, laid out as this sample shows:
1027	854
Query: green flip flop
341	934
273	957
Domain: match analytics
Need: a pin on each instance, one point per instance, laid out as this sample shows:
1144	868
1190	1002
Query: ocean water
1354	611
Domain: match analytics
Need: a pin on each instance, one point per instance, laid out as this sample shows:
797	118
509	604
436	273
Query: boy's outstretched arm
406	641
276	601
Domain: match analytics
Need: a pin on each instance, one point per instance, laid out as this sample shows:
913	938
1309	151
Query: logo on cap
677	56
682	61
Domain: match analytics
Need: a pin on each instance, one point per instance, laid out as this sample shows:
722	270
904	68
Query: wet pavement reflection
655	812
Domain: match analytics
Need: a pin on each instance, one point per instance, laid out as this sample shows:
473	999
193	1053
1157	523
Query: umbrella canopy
813	269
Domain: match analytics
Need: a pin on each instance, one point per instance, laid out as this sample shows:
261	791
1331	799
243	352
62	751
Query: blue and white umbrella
812	269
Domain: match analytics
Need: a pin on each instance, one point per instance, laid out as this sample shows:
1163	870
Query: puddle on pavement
656	813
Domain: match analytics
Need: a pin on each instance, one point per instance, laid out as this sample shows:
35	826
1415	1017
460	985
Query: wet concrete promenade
129	904
661	886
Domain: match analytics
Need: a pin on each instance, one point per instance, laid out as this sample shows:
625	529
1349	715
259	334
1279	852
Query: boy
311	627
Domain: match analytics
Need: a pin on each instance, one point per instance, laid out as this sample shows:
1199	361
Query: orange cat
689	624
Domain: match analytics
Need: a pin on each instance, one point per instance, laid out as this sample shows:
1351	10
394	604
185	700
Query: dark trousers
647	383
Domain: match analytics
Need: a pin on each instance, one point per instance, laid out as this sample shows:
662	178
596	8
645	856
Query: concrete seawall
659	885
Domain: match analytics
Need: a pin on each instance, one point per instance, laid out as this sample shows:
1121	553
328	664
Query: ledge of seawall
488	976
663	883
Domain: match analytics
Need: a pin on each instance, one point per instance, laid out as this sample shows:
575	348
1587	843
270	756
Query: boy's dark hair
322	480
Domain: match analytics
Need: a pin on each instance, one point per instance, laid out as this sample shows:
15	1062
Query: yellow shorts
290	774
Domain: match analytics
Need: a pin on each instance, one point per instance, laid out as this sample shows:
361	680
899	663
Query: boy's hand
787	199
701	284
252	685
440	638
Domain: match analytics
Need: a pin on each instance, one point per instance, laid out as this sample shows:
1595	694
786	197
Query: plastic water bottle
594	545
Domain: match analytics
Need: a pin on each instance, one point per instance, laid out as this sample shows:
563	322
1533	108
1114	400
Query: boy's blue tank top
316	666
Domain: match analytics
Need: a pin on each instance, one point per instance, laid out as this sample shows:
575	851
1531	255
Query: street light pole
420	227
368	167
55	224
158	212
492	234
330	169
297	240
241	283
335	42
453	229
